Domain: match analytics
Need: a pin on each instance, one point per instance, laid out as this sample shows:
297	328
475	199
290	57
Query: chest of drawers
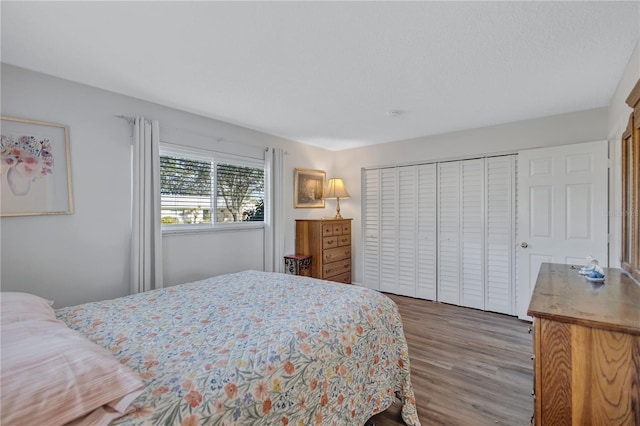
328	242
587	348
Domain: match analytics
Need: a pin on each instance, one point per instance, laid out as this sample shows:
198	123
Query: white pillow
53	375
15	306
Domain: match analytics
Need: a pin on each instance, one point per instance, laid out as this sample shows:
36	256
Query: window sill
200	229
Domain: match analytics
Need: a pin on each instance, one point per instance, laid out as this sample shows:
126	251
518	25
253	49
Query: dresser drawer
339	253
346	228
331	242
335	268
337	229
342	278
327	229
343	240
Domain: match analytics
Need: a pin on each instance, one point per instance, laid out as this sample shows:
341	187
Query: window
631	188
204	190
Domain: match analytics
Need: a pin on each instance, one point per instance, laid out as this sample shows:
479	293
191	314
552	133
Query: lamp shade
336	189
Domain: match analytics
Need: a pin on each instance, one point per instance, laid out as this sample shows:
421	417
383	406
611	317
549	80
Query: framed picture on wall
36	170
308	188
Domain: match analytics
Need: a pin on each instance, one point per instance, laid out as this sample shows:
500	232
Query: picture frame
308	188
36	168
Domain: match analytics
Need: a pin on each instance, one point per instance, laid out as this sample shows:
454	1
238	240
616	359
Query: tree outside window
188	191
241	189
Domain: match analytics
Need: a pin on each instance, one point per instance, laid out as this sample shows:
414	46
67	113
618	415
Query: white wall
582	126
619	113
85	256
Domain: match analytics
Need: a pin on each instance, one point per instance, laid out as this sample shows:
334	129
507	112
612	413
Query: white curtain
274	219
146	237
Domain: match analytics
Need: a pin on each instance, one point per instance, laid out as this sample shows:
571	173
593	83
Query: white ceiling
328	73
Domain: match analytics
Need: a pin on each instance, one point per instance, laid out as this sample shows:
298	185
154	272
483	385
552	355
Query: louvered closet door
442	232
500	234
449	232
371	228
407	208
427	225
472	238
388	230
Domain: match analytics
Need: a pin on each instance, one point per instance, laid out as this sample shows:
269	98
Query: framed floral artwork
36	170
308	187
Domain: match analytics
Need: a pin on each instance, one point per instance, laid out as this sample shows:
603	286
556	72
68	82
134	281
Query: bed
252	348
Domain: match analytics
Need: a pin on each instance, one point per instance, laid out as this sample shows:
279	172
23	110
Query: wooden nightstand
298	264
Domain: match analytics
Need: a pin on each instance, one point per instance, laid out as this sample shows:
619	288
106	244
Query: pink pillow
53	375
15	306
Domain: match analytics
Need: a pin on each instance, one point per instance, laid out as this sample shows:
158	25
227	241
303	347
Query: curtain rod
131	120
128	119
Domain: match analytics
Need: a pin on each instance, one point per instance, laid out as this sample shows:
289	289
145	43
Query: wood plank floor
468	367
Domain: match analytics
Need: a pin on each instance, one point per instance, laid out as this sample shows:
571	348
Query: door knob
524	245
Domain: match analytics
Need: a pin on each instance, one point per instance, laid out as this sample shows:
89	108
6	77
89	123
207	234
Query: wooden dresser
587	348
328	242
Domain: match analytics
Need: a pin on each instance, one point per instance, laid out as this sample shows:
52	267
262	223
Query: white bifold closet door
406	240
500	234
408	231
389	231
371	228
399	230
472	233
426	232
442	231
476	233
417	231
461	233
449	250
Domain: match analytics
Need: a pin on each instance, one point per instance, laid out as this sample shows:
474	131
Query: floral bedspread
255	348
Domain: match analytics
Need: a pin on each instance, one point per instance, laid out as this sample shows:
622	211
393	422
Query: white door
406	235
500	235
562	210
399	228
472	221
427	228
388	230
449	232
371	228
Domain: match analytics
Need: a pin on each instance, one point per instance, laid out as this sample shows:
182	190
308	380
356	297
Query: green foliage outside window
187	191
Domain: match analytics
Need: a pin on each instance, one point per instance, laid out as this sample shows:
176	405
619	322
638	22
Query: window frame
630	223
215	158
